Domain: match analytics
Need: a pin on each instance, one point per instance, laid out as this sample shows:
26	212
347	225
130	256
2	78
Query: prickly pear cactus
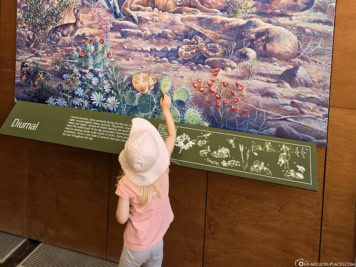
175	114
165	84
181	96
130	98
145	103
192	116
133	112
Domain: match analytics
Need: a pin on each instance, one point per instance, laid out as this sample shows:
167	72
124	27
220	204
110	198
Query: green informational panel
264	158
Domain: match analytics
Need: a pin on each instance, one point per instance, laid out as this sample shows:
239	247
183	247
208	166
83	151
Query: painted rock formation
267	40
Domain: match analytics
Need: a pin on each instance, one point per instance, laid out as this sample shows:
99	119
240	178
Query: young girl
143	191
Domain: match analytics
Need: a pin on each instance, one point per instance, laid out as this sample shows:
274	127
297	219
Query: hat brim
159	167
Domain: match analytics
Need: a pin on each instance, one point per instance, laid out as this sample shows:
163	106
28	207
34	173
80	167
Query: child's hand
165	103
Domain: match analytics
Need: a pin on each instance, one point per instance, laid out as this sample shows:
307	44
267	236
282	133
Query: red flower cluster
226	95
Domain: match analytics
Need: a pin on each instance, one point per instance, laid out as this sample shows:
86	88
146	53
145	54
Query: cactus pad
192	116
175	114
181	96
145	103
130	98
165	84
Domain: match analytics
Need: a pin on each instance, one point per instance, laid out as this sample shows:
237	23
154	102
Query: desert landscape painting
256	66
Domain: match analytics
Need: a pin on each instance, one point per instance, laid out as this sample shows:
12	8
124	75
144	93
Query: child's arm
123	210
171	129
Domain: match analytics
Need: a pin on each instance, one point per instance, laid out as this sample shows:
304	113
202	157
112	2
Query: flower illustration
215	72
89	76
143	82
82	53
61	102
108	54
85	104
79	91
112	103
107	86
66	76
233	109
51	101
102	40
77	101
97	98
95	81
101	75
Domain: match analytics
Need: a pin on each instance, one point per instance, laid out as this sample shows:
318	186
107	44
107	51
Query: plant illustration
93	54
247	69
239	8
38	16
222	98
184	143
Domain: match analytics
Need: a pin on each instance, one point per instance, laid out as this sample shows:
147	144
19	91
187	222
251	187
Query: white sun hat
145	156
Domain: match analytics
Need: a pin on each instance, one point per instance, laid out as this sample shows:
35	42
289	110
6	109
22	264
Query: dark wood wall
65	196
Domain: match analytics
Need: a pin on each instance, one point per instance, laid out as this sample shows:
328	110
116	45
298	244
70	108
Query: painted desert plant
38	15
247	69
93	54
222	98
181	110
239	8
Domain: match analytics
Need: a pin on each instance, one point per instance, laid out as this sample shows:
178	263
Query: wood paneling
13	181
7	93
340	188
183	243
8	34
252	223
67	197
13	164
115	230
343	92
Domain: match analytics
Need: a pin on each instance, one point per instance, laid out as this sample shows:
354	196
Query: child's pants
149	258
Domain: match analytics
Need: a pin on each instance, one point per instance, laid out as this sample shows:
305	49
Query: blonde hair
145	192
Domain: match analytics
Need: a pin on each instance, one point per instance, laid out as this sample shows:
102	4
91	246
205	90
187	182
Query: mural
257	66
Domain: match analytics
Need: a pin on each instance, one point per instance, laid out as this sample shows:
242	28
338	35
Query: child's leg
131	258
155	256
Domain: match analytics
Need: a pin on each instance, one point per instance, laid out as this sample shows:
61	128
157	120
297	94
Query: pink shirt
147	224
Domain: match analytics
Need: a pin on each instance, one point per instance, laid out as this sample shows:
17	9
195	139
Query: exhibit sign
264	158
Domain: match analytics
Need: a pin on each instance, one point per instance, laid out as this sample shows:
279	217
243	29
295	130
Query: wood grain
343	81
7	93
115	230
67	197
13	183
8	34
340	188
13	165
183	243
252	223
